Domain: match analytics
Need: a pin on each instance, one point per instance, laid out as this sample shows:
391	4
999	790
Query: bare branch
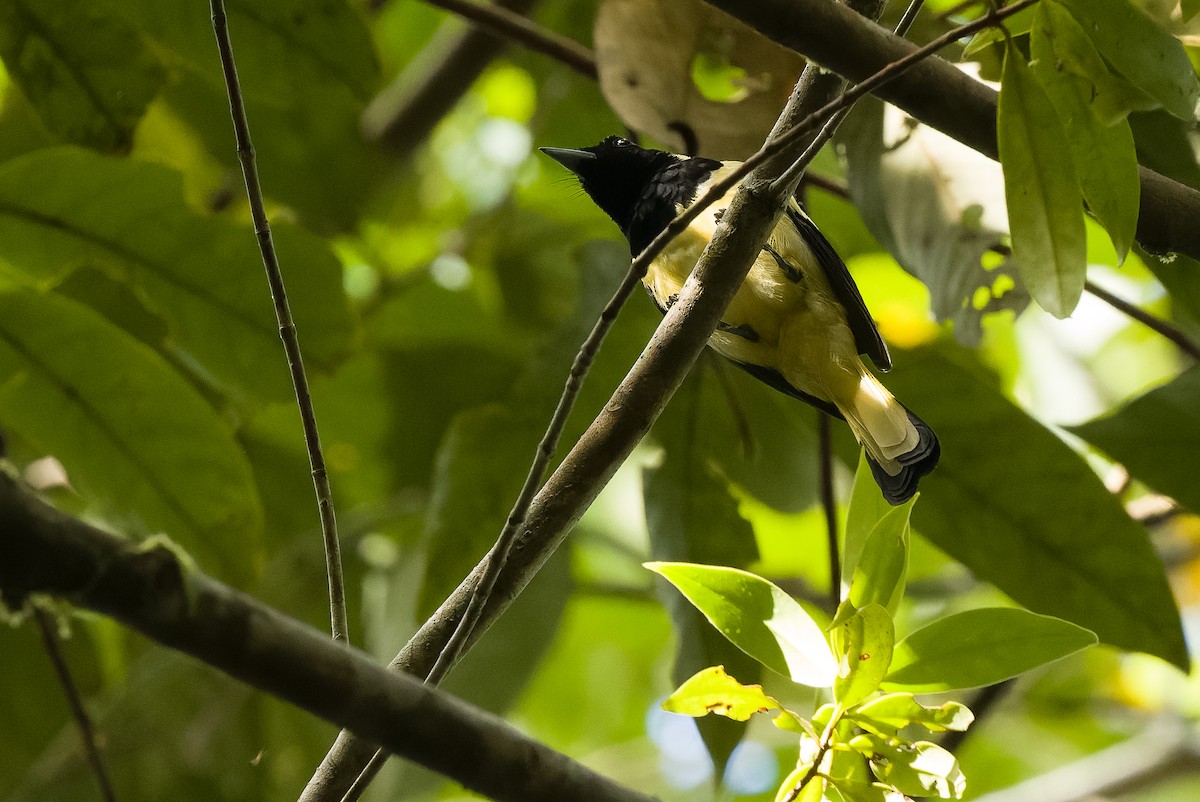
153	588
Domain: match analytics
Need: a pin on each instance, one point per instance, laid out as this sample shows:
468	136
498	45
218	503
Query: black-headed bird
798	321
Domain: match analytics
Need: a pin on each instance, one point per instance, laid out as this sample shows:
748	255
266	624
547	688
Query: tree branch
155	589
507	24
940	95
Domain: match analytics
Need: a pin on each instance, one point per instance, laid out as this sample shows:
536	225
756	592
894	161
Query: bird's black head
627	182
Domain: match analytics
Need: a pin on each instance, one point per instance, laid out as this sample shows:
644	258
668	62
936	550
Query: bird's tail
900	447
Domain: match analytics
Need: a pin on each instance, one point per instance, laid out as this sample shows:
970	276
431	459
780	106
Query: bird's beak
573	160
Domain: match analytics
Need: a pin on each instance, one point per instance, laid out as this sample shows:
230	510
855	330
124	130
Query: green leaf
1071	71
864	643
65	208
867	508
758	617
881	570
888	714
1156	437
1190	8
920	769
1045	207
307	68
981	647
1141	50
88	73
1021	510
134	437
714	691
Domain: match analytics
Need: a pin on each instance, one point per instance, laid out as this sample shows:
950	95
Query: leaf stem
287	326
87	731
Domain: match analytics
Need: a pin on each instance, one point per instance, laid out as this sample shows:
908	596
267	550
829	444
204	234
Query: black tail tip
915	464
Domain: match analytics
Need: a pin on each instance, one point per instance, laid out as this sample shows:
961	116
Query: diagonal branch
154	589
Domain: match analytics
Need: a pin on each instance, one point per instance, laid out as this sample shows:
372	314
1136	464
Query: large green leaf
1015	505
134	436
1071	71
1045	206
981	647
1156	437
1141	50
65	208
758	617
307	68
88	74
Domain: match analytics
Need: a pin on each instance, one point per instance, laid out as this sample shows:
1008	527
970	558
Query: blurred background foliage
442	274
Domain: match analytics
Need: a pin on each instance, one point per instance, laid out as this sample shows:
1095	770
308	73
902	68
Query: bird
798	322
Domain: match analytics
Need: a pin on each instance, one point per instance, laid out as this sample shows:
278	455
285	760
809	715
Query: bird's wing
866	335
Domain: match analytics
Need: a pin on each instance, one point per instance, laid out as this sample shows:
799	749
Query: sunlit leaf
135	437
882	567
864	643
758	617
714	691
1156	437
1141	50
888	714
88	73
921	769
981	647
1071	71
1045	206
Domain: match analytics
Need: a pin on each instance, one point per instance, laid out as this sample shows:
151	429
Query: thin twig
87	732
520	29
1166	329
825	455
287	327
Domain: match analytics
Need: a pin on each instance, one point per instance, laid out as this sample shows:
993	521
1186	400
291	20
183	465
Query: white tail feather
879	422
